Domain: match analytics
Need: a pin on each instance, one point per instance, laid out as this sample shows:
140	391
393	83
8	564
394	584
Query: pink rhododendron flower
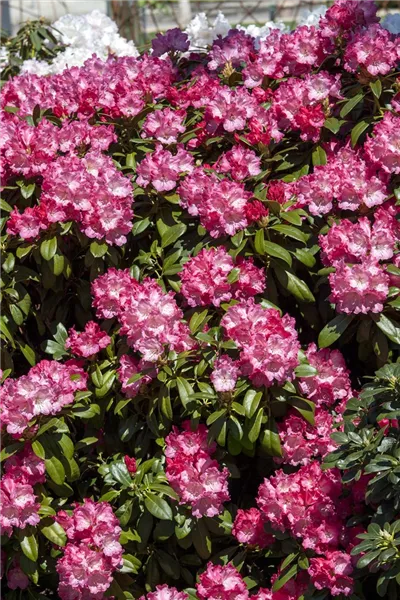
221	582
47	387
353	242
18	507
240	163
165	125
162	169
268	342
205	278
235	48
332	382
150	319
111	291
346	179
302	442
225	374
332	572
88	342
248	528
306	503
92	553
384	147
83	572
361	288
372	49
26	466
193	474
221	205
347	14
164	592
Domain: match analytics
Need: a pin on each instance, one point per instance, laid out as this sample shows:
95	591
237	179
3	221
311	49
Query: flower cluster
45	390
193	473
92	553
309	505
363	286
89	342
206	278
19	505
268	342
331	384
149	318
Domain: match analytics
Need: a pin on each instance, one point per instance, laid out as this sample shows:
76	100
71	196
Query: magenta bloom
248	528
221	583
362	288
225	374
47	387
89	342
267	341
193	474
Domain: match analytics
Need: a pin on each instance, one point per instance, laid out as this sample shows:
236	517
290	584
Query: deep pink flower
89	342
362	288
332	572
248	528
221	583
193	474
225	374
268	342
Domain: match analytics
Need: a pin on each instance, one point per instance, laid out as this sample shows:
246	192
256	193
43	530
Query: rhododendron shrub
200	266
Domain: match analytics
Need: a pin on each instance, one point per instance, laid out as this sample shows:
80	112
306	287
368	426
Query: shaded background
141	19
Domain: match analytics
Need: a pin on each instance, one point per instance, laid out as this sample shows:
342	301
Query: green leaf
53	531
270	440
357	131
28	543
172	234
48	248
158	507
201	540
197	320
16	314
291	232
305	407
285	577
278	252
376	88
98	250
318	156
305	370
333	330
350	104
259	242
4	206
389	327
184	390
131	564
251	402
120	473
255	425
333	124
306	257
294	285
